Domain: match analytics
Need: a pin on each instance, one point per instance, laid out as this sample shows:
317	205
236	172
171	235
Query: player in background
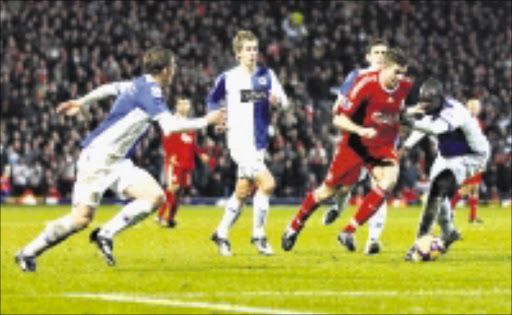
179	157
471	187
463	153
370	121
104	161
375	57
249	91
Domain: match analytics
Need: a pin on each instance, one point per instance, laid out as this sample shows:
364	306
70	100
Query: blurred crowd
56	50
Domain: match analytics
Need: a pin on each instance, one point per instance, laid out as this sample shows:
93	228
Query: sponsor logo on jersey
247	96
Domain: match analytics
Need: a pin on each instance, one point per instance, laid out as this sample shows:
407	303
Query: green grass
179	271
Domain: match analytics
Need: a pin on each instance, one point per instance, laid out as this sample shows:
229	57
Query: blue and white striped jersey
247	105
138	103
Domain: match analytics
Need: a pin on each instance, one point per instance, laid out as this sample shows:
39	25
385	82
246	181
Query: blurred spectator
55	50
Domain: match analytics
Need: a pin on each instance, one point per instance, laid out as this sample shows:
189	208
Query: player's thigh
243	188
344	169
385	175
139	184
265	181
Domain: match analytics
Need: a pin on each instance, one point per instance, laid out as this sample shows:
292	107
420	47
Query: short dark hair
396	55
156	59
377	41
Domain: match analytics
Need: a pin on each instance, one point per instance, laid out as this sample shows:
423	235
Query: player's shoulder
367	77
453	104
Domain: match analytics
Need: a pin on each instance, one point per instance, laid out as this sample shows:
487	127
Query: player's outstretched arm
170	123
73	107
344	123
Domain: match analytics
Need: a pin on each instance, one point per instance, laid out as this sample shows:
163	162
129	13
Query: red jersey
182	148
372	106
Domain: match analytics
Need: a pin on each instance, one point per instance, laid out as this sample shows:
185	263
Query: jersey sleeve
360	92
277	90
217	93
348	83
153	101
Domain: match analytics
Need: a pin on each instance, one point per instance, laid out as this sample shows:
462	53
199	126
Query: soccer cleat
452	237
289	238
105	246
26	263
223	245
347	239
330	216
262	246
372	248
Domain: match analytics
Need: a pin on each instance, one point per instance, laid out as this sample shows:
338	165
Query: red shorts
180	176
475	180
347	164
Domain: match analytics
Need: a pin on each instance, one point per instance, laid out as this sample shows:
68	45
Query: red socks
472	203
455	199
173	206
309	205
370	205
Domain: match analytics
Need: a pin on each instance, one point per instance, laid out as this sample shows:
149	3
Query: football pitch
178	271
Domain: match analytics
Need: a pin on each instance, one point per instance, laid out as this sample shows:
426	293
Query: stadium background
53	51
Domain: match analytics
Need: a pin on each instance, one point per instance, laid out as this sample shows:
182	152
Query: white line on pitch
123	298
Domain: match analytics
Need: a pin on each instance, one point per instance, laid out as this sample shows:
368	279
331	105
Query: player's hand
273	99
70	108
416	112
367	133
217	117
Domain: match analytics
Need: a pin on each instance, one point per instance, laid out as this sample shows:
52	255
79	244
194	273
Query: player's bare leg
231	214
266	184
385	177
309	205
56	231
147	195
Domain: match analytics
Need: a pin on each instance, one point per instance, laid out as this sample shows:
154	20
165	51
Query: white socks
131	214
231	214
376	223
259	214
55	232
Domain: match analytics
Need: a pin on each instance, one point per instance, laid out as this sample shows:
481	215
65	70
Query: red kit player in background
471	187
179	155
370	121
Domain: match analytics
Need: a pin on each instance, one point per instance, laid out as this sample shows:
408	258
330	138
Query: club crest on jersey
391	99
262	80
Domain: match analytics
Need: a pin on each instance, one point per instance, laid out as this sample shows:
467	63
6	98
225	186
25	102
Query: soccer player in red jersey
471	186
370	122
179	154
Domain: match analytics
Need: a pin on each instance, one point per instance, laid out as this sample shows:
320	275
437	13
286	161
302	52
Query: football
428	248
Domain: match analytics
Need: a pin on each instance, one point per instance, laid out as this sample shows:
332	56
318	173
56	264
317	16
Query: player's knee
444	185
323	192
81	220
268	186
157	199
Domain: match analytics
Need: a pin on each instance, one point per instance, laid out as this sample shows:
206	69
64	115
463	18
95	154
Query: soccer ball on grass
428	247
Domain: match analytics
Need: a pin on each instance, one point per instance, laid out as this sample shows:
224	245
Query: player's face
183	107
392	74
249	53
376	56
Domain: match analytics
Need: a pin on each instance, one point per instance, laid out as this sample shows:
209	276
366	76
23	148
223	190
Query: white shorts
463	167
250	163
96	175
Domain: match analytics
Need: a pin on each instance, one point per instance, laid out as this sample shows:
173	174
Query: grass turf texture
179	271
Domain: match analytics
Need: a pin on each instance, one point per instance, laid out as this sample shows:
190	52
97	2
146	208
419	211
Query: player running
370	121
104	161
179	157
249	91
463	152
375	57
